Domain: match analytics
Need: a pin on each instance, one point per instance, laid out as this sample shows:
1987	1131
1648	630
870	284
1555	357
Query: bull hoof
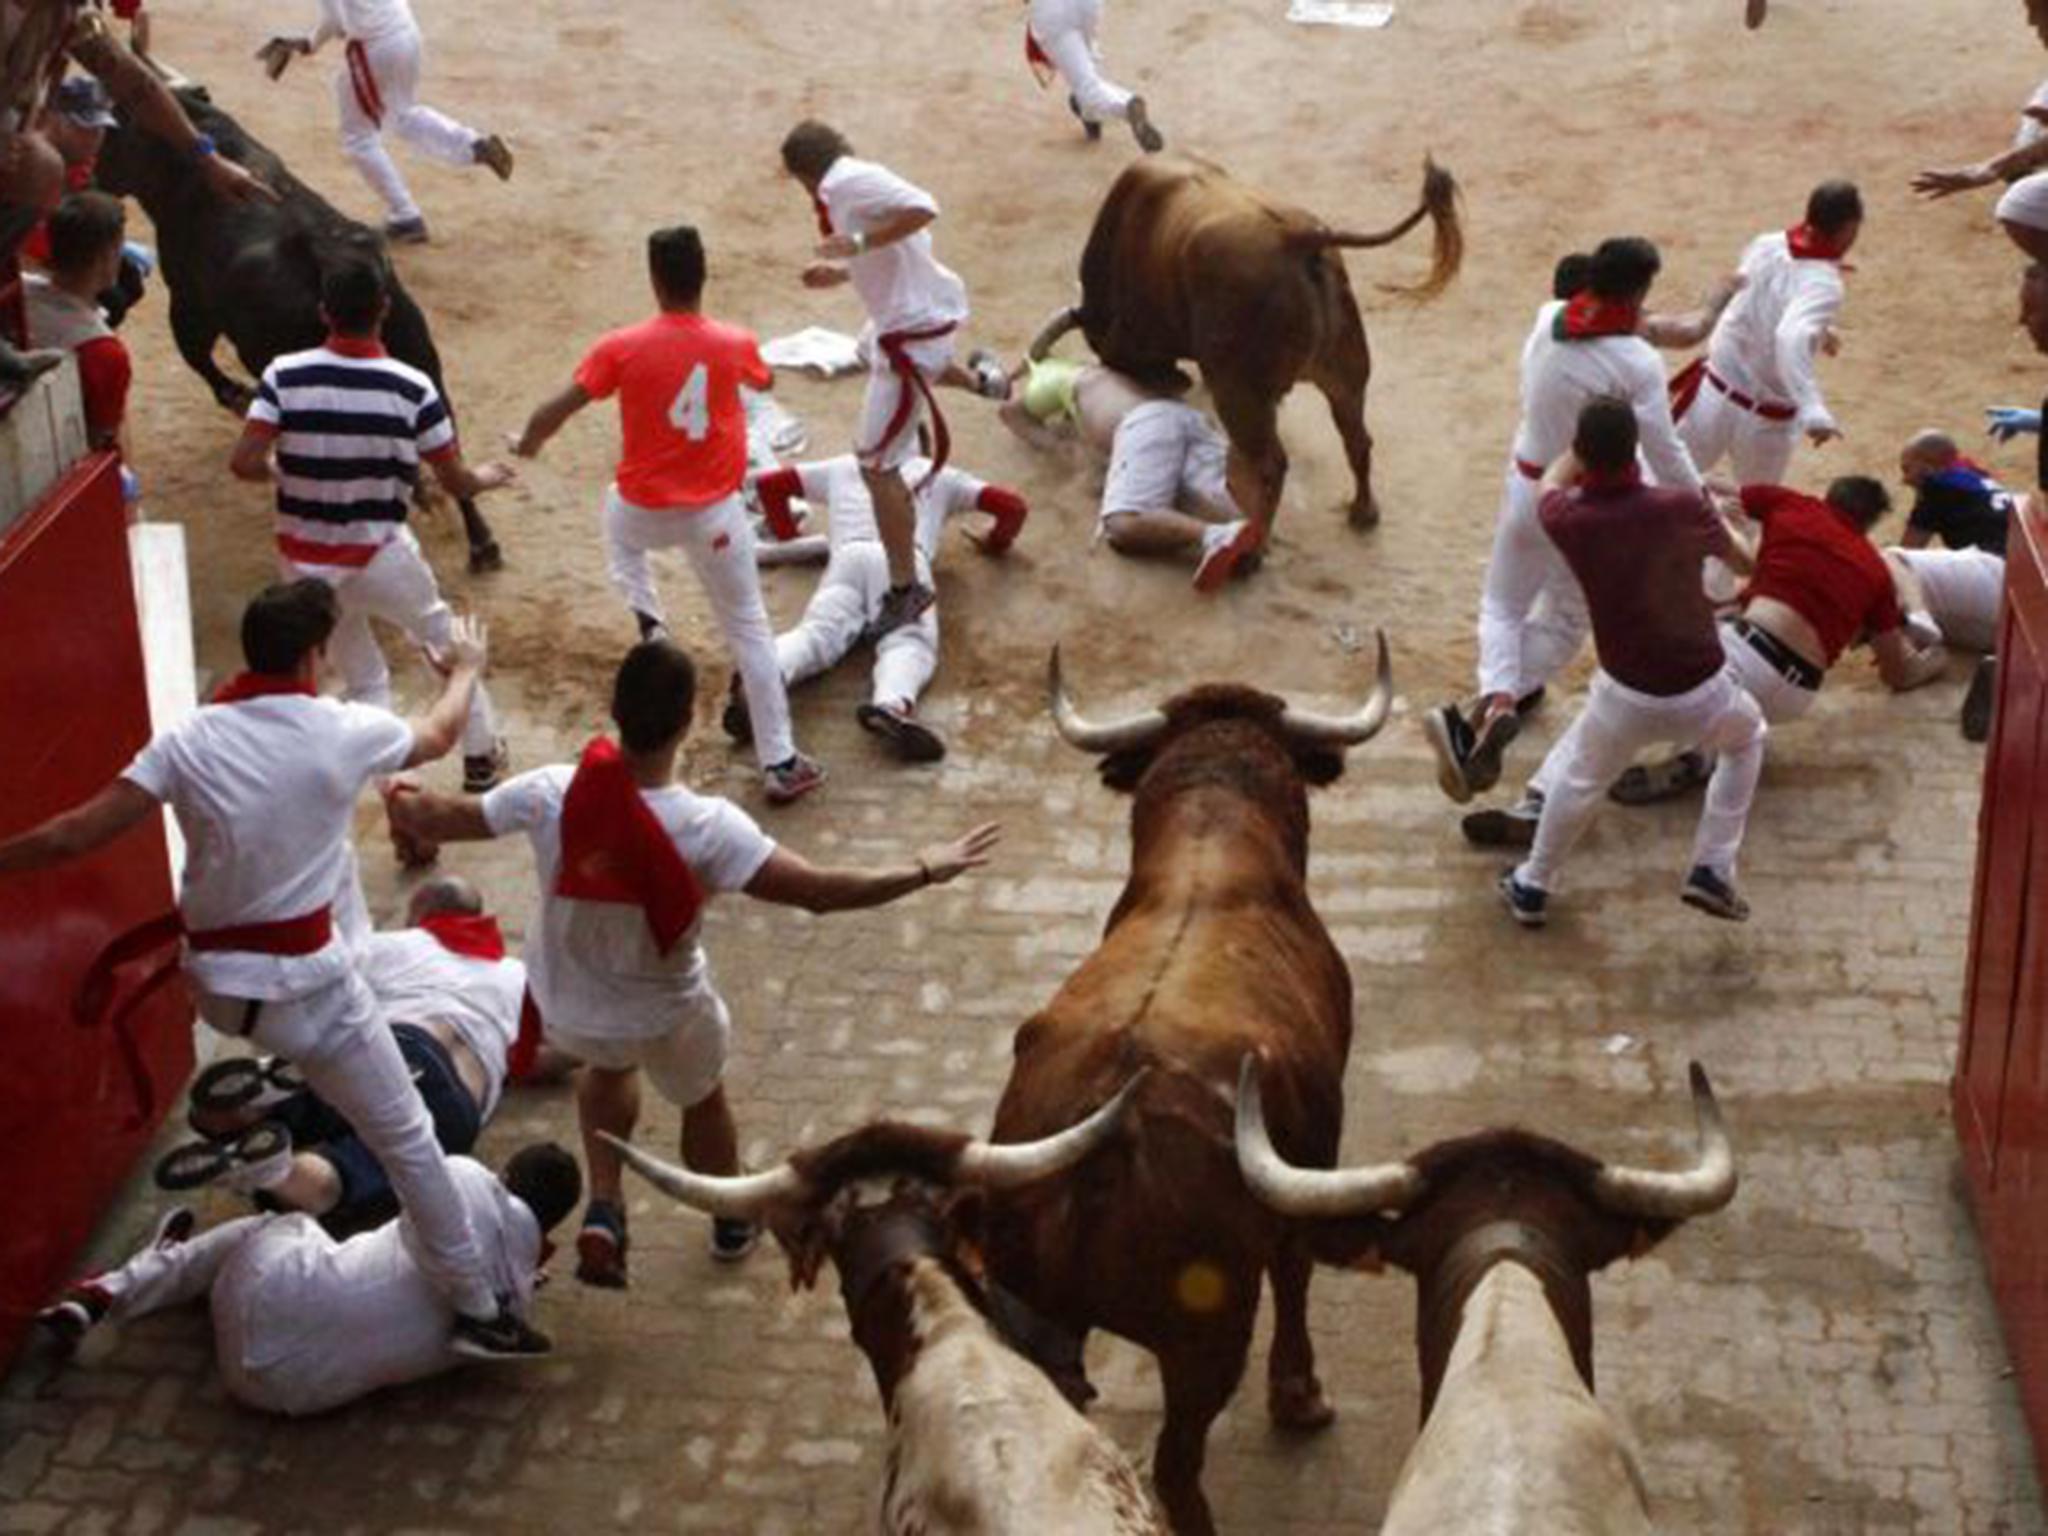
1299	1406
1365	514
1074	1386
485	558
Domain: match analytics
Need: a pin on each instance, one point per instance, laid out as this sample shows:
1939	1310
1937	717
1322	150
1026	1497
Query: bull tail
1440	206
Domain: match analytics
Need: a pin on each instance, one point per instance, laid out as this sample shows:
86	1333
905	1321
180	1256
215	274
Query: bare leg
1294	1397
606	1101
711	1142
896	521
312	1185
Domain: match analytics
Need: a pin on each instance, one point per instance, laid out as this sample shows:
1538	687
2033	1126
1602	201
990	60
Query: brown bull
1212	950
980	1443
1186	264
1502	1232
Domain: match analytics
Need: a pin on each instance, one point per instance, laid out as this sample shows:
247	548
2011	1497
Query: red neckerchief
824	215
1808	244
353	346
1586	316
1040	62
1626	478
262	685
461	934
615	849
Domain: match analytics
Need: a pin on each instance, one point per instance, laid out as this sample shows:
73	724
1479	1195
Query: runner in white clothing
627	860
264	784
302	1323
876	230
1532	616
2022	210
380	82
849	593
1060	38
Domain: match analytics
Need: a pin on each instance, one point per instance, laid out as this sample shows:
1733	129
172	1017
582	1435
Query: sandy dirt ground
1820	1359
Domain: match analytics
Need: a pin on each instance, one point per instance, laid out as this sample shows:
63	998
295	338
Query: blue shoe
1713	895
1525	903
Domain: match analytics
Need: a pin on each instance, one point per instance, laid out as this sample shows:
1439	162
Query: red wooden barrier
78	1099
2001	1081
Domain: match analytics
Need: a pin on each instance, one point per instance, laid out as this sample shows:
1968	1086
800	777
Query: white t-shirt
593	965
903	285
264	792
1766	339
365	21
836	485
1560	377
419	980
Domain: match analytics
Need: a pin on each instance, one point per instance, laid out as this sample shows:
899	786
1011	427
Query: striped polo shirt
352	425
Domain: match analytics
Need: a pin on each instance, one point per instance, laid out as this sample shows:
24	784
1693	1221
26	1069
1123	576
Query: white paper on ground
1340	13
814	350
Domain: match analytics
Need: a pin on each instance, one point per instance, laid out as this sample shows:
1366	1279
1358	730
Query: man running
264	783
627	859
1060	39
384	59
683	461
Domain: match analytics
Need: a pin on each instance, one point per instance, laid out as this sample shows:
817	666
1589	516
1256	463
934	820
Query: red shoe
1229	549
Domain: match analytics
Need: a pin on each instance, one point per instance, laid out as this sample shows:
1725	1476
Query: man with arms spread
627	858
264	783
684	458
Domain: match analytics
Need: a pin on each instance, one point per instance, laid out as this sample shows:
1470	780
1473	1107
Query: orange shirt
678	380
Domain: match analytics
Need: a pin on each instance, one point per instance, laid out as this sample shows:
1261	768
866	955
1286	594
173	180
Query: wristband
203	146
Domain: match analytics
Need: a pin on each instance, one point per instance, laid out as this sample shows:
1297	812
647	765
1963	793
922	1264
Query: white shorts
888	394
2026	202
1167	455
685	1065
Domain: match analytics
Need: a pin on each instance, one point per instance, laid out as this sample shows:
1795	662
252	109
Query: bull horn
1005	1165
1310	1192
1112	736
1347	730
1707	1186
744	1196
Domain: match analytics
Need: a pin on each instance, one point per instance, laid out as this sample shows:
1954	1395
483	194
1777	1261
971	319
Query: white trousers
1715	428
1963	589
892	400
718	541
1780	699
1532	614
393	67
398	586
847	601
1616	724
339	1041
1066	30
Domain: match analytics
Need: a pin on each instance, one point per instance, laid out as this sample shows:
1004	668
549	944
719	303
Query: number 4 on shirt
690	412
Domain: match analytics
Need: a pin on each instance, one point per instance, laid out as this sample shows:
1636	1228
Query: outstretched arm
790	880
78	832
1902	666
433	818
435	736
142	94
1678	332
548	418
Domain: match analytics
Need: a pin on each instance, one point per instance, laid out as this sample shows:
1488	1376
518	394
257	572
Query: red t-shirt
1813	560
678	380
103	375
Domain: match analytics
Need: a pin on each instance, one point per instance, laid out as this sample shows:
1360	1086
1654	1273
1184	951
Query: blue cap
86	102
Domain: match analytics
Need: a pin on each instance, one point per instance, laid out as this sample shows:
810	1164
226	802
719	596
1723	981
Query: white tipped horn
745	1196
1707	1186
1348	730
1078	731
1006	1165
1310	1192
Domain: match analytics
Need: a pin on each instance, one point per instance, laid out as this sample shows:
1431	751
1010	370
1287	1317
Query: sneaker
601	1246
901	606
243	1083
1531	701
1977	703
175	1226
411	231
257	1159
1713	895
738	720
82	1308
485	558
1649	783
732	1238
791	781
1451	738
1150	139
1228	549
991	379
910	738
481	775
1088	126
651	628
1489	745
1514	827
492	151
503	1336
1525	903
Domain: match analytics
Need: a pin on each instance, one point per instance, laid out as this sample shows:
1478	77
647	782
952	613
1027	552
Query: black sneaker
504	1336
175	1226
1489	745
76	1313
1092	129
482	774
406	231
738	720
900	606
910	738
732	1238
1649	783
1712	895
651	628
1525	903
601	1247
1451	737
1149	138
1531	701
1978	701
1514	827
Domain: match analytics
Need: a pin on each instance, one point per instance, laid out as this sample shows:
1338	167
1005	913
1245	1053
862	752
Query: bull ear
1318	765
966	1221
1122	770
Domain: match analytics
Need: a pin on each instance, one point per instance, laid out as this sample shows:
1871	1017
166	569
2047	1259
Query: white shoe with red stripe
1228	549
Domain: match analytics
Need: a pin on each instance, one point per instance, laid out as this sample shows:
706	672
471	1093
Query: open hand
468	646
950	861
235	182
1965	178
824	274
277	54
2009	421
493	475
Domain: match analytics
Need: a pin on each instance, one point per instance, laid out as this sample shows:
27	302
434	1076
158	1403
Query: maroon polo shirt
1637	550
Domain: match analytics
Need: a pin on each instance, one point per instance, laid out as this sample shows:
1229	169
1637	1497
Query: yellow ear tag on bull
1201	1288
